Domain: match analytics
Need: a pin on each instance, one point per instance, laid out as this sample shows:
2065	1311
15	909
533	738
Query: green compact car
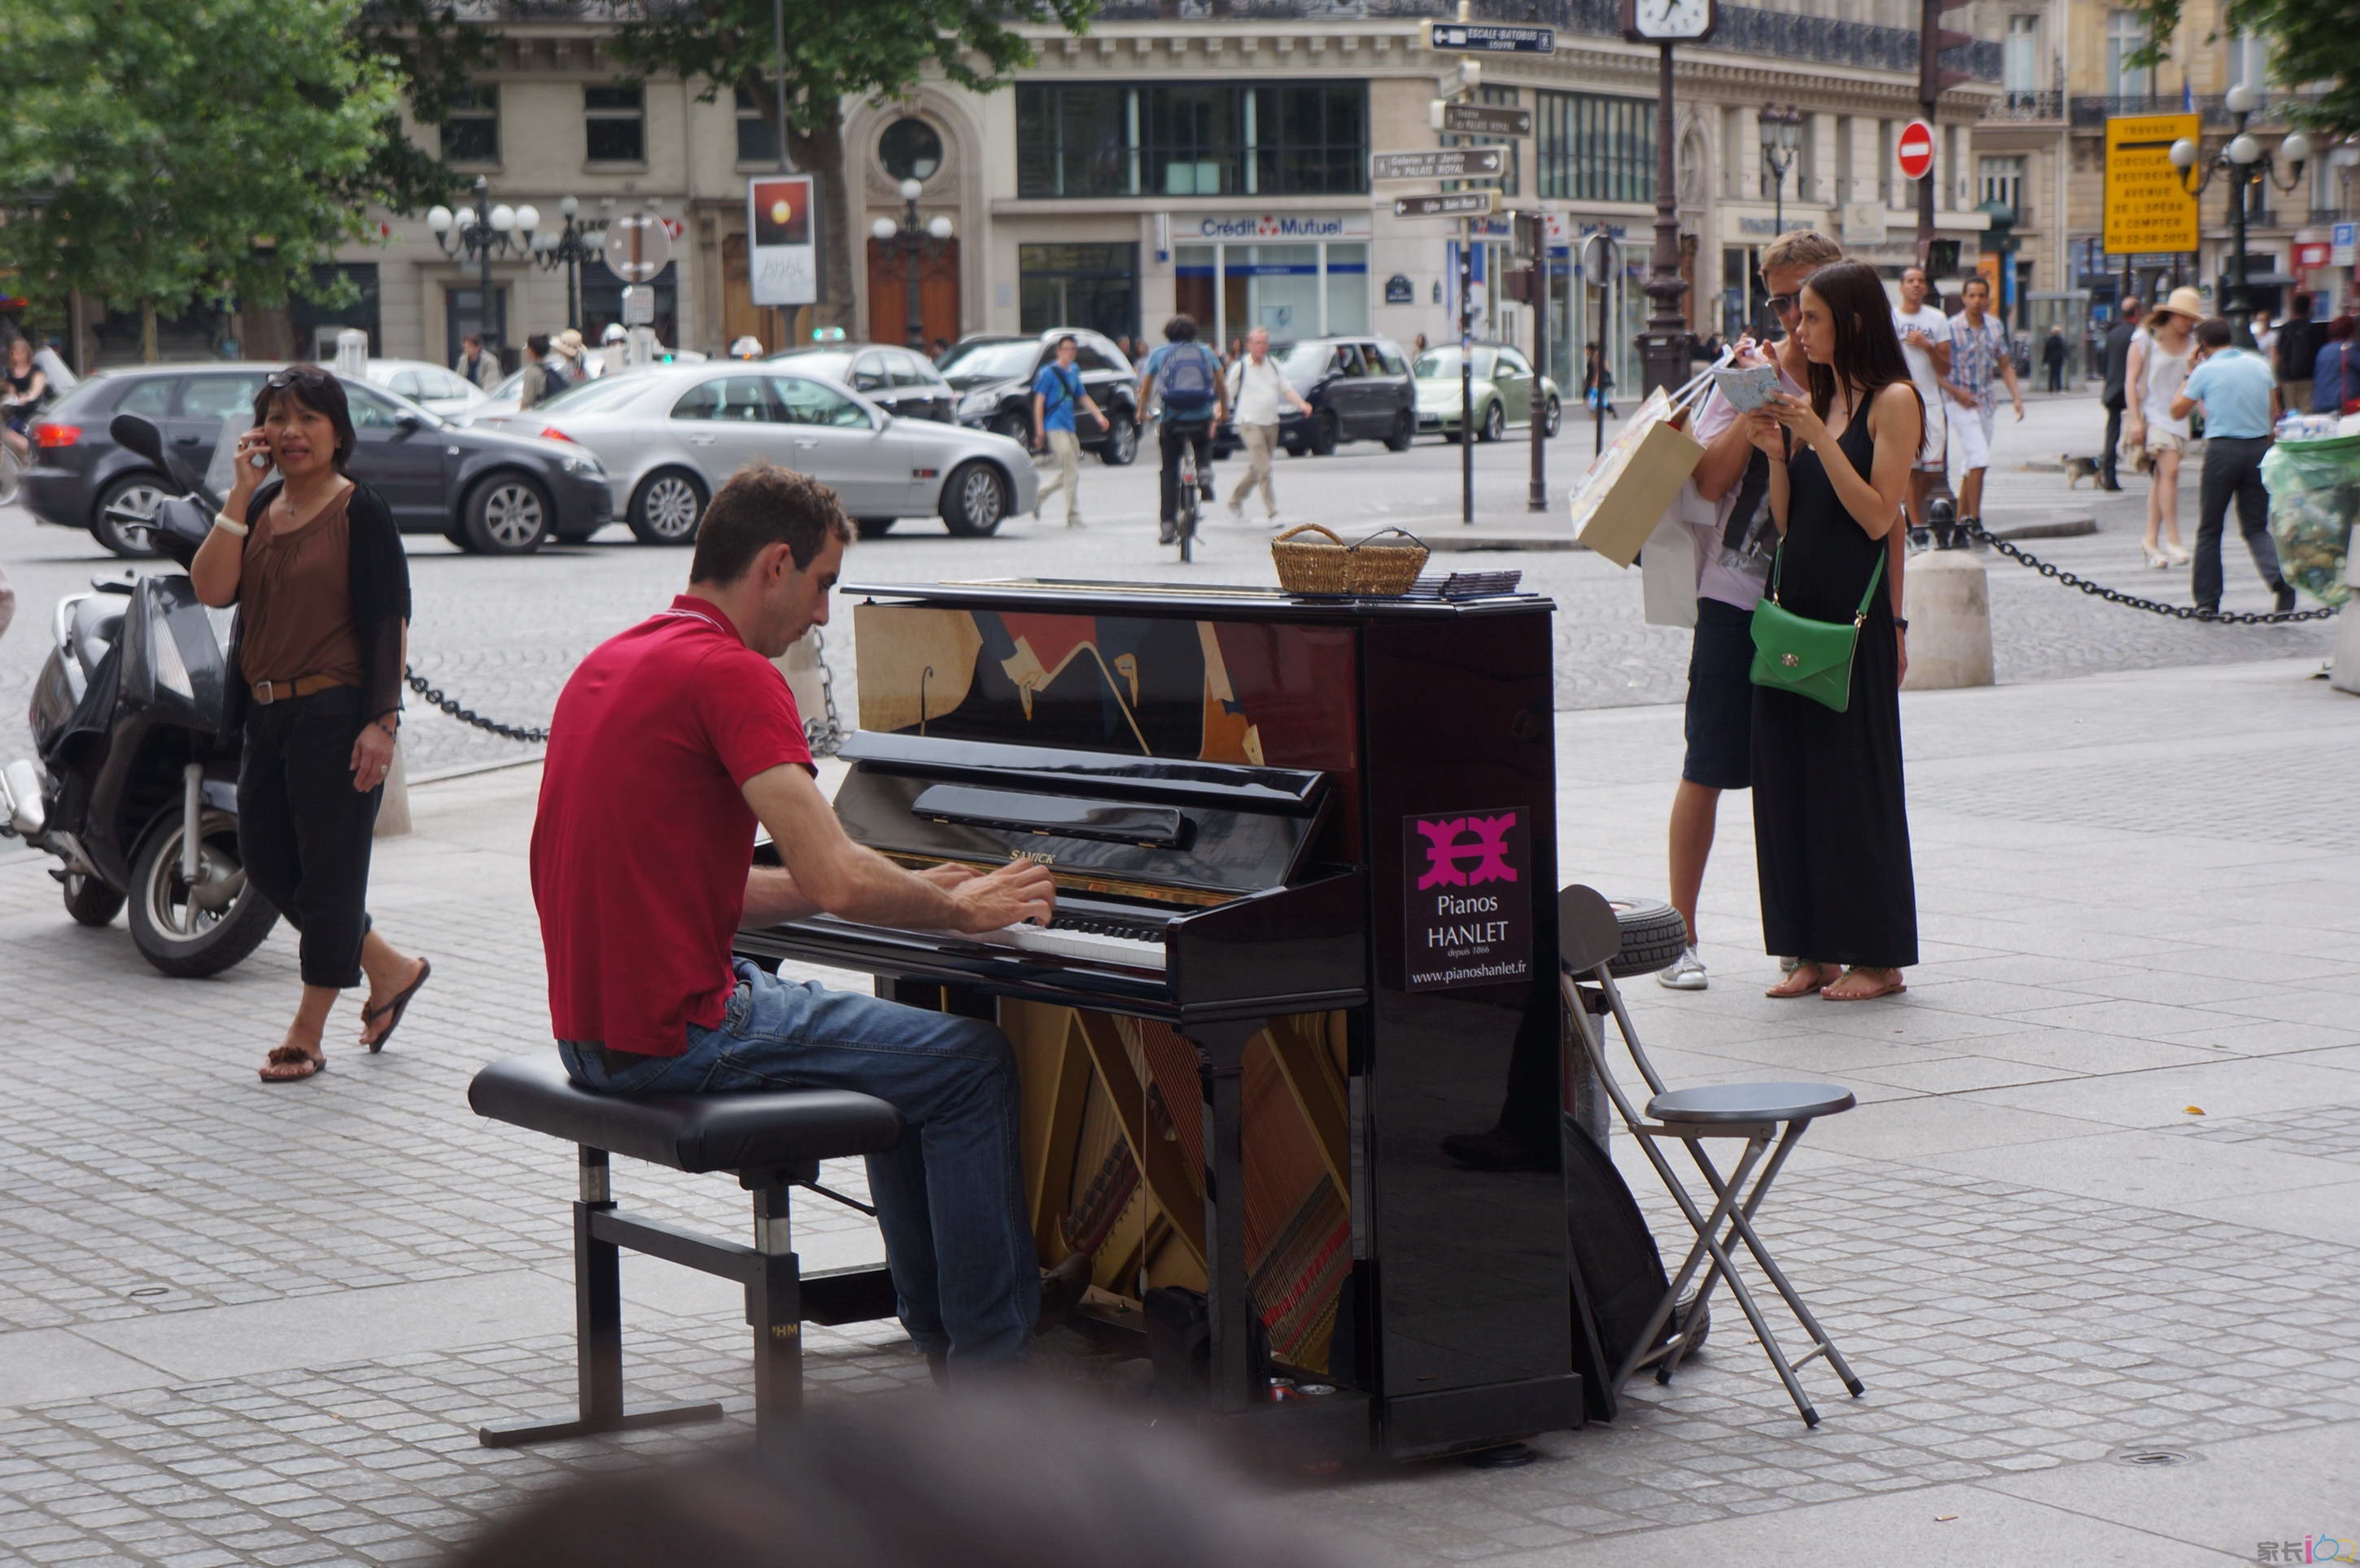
1505	393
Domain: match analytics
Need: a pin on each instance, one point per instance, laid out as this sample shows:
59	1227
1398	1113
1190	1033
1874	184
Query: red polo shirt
643	839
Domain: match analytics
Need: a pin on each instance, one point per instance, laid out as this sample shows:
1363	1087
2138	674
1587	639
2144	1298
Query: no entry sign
1914	151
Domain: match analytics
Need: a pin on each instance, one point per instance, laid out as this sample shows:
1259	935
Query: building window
909	149
617	119
1196	139
1093	286
2002	180
2020	62
1595	149
2249	61
1511	161
2126	34
757	141
471	131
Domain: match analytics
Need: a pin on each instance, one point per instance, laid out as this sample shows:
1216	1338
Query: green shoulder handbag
1811	658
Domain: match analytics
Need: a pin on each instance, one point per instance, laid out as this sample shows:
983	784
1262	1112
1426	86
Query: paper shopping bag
1620	500
1668	566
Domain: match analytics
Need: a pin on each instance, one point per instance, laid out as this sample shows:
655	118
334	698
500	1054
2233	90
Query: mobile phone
258	461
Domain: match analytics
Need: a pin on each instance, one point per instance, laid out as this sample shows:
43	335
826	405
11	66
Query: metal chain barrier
1975	529
825	734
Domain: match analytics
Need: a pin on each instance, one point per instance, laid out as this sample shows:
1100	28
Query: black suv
1359	389
484	490
993	375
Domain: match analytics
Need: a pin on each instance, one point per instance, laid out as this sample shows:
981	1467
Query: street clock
1669	21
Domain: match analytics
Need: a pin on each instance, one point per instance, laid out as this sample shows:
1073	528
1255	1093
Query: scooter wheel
181	931
91	901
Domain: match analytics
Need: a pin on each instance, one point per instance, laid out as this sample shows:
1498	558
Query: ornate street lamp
479	233
914	240
1782	133
2247	164
578	241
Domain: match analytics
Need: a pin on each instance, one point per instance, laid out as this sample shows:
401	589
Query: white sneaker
1687	973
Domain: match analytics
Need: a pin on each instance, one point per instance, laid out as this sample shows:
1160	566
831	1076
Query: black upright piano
1306	856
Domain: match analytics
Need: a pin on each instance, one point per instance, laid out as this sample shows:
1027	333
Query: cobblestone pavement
244	1324
501	635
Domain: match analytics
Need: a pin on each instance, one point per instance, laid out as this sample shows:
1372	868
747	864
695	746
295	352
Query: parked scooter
134	787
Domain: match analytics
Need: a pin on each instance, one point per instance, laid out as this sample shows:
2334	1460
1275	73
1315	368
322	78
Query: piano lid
1229	602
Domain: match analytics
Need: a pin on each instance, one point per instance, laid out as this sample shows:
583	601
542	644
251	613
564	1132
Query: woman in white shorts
2157	369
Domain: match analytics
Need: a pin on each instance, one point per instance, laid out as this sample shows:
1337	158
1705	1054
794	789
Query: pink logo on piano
1489	850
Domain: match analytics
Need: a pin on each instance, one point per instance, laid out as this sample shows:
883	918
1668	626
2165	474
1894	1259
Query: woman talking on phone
315	565
1830	826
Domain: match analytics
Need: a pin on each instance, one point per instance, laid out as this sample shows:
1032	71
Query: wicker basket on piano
1329	565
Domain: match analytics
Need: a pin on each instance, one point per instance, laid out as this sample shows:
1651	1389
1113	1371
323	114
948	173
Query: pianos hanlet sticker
1469	904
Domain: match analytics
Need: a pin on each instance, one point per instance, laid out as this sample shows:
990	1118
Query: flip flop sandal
397	1006
288	1056
1779	993
1888	988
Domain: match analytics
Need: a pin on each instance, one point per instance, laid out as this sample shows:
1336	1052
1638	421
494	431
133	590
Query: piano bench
770	1141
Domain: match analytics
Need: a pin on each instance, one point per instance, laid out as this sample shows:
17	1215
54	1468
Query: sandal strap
288	1055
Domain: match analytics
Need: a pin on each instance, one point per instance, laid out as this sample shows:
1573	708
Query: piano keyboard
1079	936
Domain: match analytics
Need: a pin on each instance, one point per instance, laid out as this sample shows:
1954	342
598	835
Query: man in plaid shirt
1979	347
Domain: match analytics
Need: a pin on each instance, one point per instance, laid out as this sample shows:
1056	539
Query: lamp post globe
438	218
940	228
527	218
567	206
2296	148
910	189
2244	150
2241	98
2183	153
884	229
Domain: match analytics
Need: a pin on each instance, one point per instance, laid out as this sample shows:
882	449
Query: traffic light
1934	40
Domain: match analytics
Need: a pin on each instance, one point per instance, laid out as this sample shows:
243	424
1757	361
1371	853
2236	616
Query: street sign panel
2147	207
1458	204
1484	120
2343	245
1489	37
637	246
639	306
1913	151
1435	163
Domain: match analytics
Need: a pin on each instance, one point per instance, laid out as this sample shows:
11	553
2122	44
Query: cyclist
1193	402
27	389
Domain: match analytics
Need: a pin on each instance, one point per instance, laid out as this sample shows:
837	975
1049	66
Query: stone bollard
1946	596
393	811
2346	674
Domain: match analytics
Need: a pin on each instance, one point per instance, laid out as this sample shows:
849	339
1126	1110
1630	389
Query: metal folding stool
1755	1112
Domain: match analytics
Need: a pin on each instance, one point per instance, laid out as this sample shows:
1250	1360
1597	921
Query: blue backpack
1187	382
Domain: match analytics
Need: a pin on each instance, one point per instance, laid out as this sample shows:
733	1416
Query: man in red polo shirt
669	743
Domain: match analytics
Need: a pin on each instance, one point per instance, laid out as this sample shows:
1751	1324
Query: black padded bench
771	1142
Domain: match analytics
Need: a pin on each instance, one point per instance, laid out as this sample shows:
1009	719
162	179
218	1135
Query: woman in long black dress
1830	826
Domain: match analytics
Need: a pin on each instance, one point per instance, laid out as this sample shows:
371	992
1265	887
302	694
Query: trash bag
2314	489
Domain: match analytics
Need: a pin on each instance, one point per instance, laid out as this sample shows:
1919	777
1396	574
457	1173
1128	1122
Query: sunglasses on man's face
1785	304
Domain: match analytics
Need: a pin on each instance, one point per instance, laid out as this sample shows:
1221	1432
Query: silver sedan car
668	438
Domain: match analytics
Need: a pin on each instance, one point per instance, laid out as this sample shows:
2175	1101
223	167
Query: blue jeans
948	1196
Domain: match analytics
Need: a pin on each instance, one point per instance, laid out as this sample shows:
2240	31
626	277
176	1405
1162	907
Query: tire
1404	431
975	502
91	901
160	902
1495	422
1323	434
1013	427
506	513
666	507
1653	935
1294	449
1121	448
873	528
120	521
1555	423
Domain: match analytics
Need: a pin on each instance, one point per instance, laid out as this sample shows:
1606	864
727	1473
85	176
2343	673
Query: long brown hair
1867	355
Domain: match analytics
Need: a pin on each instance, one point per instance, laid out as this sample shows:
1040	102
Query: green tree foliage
2314	43
161	151
437	58
838	51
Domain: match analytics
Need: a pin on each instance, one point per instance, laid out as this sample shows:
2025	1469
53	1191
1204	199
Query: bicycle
1191	502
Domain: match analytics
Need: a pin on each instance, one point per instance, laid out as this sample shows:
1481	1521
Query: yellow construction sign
2147	208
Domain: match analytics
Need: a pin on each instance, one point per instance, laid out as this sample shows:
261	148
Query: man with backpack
1190	378
1057	391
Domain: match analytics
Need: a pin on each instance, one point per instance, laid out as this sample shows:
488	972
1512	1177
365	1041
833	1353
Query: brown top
296	599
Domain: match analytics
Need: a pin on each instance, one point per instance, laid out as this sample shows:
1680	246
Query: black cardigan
378	583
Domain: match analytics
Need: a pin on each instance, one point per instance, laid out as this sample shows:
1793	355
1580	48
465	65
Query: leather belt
613	1060
268	692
